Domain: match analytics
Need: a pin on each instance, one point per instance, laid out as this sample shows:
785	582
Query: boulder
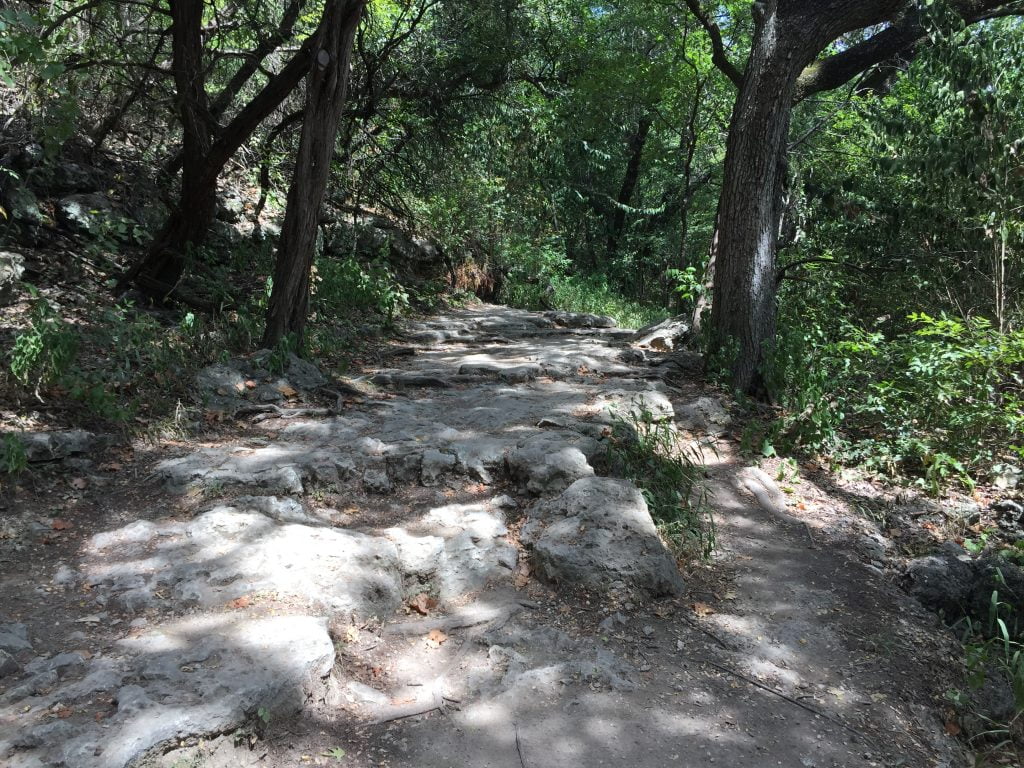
9	667
230	206
952	583
551	462
51	446
12	267
580	320
84	214
62	178
23	207
303	375
14	638
705	414
599	535
664	336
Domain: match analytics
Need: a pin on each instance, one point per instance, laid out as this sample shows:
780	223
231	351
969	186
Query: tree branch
891	46
718	55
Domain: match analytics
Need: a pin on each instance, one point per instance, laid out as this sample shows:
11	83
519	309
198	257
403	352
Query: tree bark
782	69
198	200
187	226
743	309
637	142
326	87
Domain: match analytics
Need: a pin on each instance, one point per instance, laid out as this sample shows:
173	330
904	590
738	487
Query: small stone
376	481
609	623
8	665
65	576
14	638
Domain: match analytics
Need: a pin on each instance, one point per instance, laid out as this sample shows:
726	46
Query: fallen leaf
79	483
351	634
729	595
423	603
435	638
250	384
664	611
59	524
702	609
952	728
240	602
521	575
287	390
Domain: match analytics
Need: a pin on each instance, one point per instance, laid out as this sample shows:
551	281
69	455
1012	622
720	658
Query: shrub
941	400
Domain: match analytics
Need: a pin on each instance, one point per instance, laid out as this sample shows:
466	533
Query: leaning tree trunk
743	310
326	86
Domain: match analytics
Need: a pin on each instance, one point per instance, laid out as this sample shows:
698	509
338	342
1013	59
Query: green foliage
336	752
996	645
651	454
540	278
13	458
343	286
941	400
45	350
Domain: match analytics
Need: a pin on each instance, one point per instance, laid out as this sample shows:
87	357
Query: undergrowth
541	277
940	402
126	368
995	647
668	473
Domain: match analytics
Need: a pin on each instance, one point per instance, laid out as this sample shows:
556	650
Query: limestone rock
476	550
664	336
640	404
435	465
23	207
14	638
225	553
8	665
599	532
49	446
580	320
195	677
12	267
83	213
705	414
551	462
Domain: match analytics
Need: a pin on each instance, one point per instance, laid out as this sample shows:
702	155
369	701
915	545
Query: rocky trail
434	572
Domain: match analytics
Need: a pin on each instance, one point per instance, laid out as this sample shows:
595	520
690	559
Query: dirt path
367	582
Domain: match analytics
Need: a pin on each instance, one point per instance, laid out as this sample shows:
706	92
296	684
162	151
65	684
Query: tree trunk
187	226
637	142
326	87
198	201
743	310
